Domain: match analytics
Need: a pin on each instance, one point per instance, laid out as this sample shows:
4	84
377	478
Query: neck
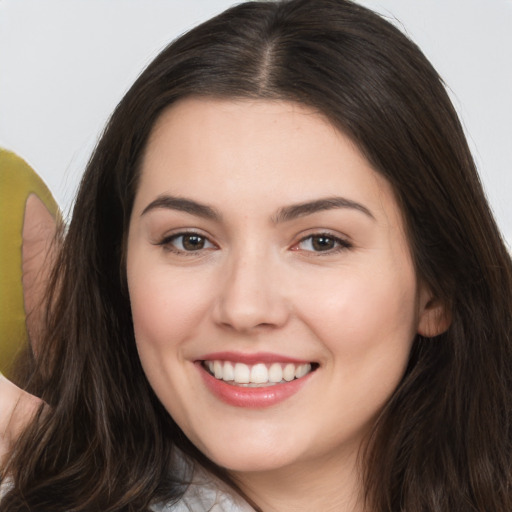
327	485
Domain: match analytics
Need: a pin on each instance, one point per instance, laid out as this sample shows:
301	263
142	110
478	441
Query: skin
38	252
16	410
259	284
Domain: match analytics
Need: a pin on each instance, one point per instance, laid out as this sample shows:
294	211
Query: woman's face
273	294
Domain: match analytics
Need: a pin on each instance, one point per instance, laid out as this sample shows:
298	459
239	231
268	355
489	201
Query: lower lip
252	398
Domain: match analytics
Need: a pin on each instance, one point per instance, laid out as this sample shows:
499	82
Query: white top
206	493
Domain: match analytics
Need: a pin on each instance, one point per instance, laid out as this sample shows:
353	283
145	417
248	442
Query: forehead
255	153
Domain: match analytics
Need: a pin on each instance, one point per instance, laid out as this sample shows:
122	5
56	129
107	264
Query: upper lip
250	359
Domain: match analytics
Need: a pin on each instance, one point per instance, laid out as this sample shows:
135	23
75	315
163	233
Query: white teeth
229	372
257	374
302	370
217	369
242	373
275	373
289	372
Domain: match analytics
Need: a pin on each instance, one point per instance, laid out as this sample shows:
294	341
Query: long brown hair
443	442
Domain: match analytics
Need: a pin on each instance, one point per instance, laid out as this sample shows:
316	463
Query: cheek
361	312
166	308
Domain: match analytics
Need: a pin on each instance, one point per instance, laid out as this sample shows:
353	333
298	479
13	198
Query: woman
281	271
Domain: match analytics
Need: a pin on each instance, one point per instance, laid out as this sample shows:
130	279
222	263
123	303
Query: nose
251	296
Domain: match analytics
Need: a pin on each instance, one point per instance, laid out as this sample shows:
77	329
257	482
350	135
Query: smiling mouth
257	375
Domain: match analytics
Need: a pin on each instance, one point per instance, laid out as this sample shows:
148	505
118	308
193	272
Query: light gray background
64	65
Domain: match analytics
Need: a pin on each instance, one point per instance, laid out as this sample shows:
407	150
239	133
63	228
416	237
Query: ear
434	316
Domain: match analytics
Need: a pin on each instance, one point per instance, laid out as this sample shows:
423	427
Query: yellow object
17	182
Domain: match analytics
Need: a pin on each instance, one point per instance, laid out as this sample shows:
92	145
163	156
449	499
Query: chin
250	462
251	454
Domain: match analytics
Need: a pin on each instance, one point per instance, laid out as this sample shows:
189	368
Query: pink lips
251	397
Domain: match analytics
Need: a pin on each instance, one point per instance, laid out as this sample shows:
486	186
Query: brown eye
193	242
322	243
186	242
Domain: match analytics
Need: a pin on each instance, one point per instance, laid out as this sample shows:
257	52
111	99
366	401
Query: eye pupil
193	242
322	243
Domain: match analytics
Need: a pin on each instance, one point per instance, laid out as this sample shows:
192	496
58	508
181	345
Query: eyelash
168	243
340	244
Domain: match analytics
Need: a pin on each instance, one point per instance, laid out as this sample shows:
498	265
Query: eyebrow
182	205
308	208
284	214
